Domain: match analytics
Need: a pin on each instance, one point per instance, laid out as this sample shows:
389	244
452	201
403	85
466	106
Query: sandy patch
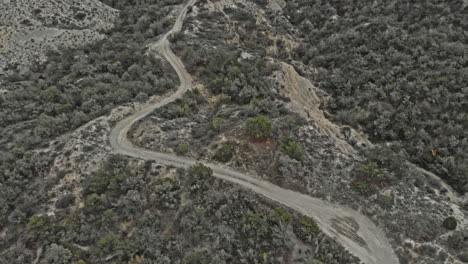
306	101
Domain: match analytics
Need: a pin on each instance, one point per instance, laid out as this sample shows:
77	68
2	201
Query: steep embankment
306	101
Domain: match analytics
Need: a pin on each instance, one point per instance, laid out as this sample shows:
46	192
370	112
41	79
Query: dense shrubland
235	89
23	185
78	85
398	69
238	102
71	88
135	213
224	72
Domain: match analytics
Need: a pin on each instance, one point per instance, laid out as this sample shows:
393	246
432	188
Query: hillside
233	131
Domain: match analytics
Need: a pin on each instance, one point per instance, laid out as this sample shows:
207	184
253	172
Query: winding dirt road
352	229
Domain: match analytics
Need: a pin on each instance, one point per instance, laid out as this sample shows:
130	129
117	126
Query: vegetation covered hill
128	211
398	69
77	85
141	212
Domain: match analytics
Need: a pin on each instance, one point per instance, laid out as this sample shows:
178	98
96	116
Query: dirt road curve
352	229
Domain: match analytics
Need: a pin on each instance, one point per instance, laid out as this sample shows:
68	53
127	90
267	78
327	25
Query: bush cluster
224	153
259	128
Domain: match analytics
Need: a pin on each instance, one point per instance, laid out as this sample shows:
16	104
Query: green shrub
114	244
372	172
161	181
255	228
368	177
216	86
282	216
110	216
450	223
103	182
309	226
306	228
199	177
182	149
331	252
116	185
56	254
216	124
363	187
386	157
108	242
294	150
40	227
95	204
259	128
224	153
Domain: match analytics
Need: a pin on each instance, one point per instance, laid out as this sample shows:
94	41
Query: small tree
96	204
282	216
363	187
259	128
372	172
182	149
294	150
306	228
450	223
199	177
224	153
217	123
